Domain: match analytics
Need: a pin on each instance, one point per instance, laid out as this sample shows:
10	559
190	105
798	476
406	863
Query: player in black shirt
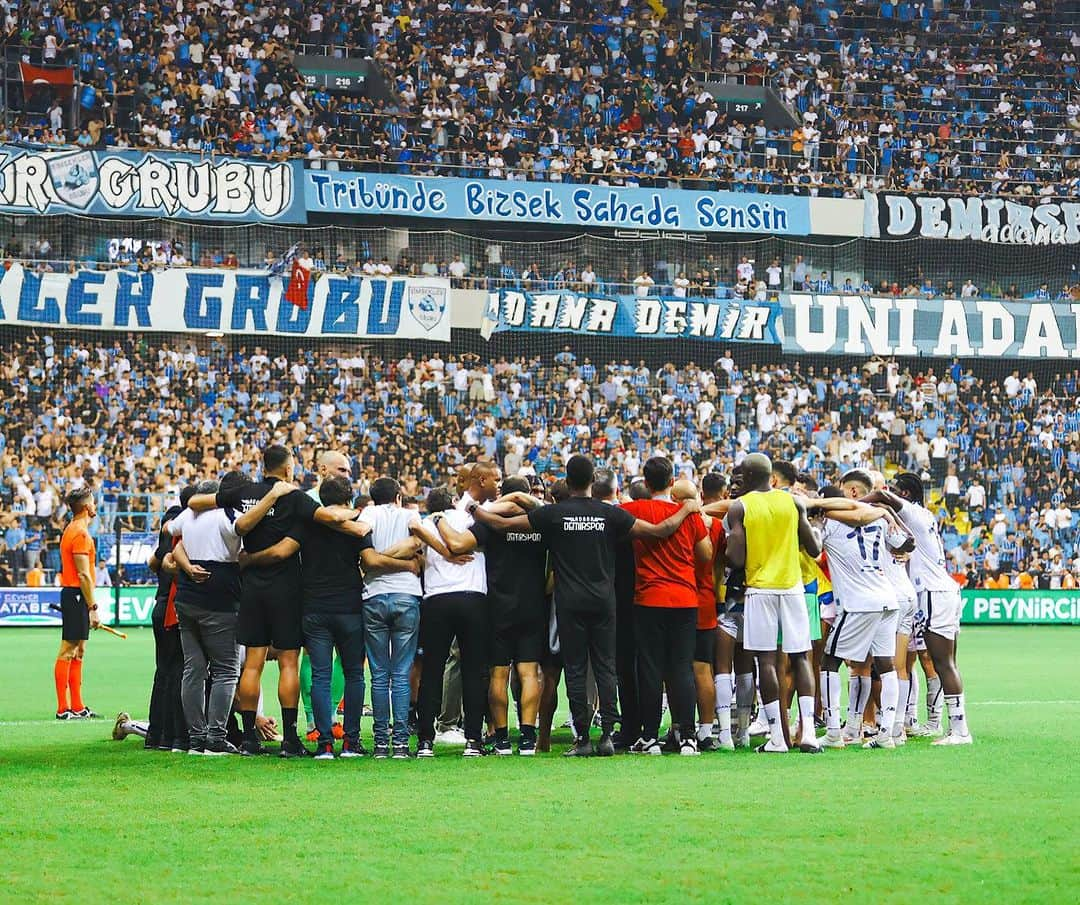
166	712
333	609
516	563
270	601
582	535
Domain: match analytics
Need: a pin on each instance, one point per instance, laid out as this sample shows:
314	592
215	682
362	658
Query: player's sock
704	731
933	702
337	679
904	688
528	732
305	689
247	717
722	684
830	701
61	669
776	729
136	727
744	699
75	685
890	693
289	716
806	714
858	695
957	719
913	698
502	735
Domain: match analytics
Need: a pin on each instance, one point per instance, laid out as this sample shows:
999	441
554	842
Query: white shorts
942	610
856	636
908	607
769	612
731	624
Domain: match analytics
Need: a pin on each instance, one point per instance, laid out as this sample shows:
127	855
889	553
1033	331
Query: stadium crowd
892	95
136	419
493	264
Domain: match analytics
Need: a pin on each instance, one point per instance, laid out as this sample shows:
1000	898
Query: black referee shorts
270	618
74	616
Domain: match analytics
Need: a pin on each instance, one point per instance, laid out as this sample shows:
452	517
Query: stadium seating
972	97
133	403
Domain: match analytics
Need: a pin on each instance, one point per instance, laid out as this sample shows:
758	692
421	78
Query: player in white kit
939	596
858	543
896	572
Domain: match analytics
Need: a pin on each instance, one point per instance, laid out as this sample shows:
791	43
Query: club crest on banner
75	178
427	304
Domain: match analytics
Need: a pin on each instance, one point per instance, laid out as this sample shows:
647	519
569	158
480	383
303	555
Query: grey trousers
453	711
208	638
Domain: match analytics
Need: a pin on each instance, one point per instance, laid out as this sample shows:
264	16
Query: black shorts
74	616
520	642
705	646
270	619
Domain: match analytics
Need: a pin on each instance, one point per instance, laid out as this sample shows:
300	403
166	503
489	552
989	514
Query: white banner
193	300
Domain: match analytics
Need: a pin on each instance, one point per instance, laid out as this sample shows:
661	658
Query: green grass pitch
86	819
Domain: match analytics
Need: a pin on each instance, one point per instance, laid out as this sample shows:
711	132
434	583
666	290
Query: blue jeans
391	624
322	633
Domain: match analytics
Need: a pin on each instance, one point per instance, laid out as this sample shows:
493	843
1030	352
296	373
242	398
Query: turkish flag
61	78
297	290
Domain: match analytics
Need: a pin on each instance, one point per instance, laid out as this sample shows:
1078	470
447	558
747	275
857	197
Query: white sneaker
851	736
832	741
450	737
742	740
689	748
899	740
916	730
758	727
952	739
770	748
881	740
727	744
934	730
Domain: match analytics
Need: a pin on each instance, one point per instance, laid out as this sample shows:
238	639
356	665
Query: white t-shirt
856	565
208	536
390	524
444	577
927	564
896	573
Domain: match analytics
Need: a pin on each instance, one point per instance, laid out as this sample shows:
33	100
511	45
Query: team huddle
748	591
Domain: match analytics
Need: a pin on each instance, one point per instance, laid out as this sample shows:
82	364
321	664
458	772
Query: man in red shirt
665	611
705	645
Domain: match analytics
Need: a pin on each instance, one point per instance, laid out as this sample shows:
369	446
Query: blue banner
565	204
33	606
908	326
626	315
194	300
155	184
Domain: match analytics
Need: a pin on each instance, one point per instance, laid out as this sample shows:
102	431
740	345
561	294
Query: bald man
328	464
705	642
766	529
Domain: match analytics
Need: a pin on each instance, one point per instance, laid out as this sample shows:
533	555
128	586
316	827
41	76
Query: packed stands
138	417
946	96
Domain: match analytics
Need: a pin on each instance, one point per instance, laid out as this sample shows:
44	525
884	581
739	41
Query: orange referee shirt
76	539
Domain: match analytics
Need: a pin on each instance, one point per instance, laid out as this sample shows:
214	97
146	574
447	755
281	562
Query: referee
78	612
